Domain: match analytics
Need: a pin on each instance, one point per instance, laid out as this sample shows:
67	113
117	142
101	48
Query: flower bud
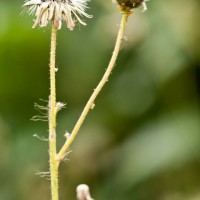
127	6
83	192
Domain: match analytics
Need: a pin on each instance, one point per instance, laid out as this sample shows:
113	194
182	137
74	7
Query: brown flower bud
128	5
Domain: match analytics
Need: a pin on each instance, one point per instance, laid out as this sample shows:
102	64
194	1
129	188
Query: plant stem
91	100
52	118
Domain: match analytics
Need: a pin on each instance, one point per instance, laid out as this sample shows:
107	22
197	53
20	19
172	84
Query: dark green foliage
142	139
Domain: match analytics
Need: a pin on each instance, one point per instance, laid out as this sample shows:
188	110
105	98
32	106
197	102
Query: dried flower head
56	11
128	5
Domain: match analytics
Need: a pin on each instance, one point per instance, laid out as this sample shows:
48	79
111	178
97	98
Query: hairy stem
52	119
91	100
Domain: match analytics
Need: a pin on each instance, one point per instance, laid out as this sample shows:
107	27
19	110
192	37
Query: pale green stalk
52	119
91	100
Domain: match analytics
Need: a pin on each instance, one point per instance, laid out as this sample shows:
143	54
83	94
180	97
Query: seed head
127	6
56	11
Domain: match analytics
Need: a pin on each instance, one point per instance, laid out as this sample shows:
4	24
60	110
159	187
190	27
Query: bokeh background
142	140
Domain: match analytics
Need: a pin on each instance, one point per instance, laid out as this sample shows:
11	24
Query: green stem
52	119
90	103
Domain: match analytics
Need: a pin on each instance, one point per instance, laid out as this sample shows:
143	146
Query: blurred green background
142	140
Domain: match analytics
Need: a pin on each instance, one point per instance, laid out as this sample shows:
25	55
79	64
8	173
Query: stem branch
52	119
91	100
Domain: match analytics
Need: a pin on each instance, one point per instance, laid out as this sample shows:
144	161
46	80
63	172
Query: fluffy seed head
56	11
